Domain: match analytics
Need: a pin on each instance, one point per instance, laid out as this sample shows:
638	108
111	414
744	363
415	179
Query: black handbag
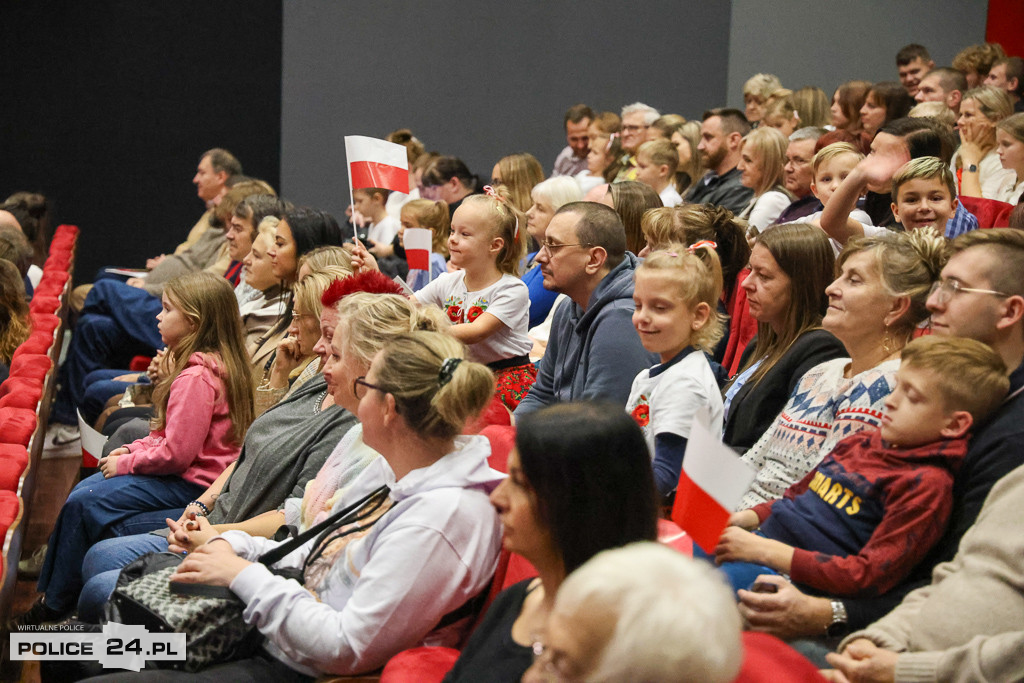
211	616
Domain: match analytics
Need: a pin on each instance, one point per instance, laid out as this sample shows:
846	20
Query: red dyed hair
372	282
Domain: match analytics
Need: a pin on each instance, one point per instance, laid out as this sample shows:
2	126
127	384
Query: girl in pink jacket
202	410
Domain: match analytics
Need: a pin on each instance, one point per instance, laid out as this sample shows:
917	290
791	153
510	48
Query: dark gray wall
827	42
109	104
481	79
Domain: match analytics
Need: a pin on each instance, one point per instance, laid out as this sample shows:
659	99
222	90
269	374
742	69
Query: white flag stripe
714	466
418	238
361	148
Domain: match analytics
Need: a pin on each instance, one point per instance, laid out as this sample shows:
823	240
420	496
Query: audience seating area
25	399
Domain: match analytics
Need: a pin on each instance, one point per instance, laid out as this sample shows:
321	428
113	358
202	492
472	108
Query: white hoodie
436	548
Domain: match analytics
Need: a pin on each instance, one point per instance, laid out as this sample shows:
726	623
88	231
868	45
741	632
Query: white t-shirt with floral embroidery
665	398
508	300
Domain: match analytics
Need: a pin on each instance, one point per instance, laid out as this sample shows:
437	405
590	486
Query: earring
888	342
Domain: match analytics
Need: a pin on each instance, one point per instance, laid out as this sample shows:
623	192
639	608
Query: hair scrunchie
447	370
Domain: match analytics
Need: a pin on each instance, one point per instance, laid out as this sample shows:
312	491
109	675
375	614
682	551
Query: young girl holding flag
488	305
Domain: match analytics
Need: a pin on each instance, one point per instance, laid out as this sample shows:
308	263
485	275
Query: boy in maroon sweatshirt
859	522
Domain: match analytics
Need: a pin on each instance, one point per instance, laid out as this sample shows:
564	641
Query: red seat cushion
13	461
17	425
671	535
44	304
503	440
66	231
58	260
31	366
21	392
10	506
41	322
989	212
38	343
494	414
419	665
765	657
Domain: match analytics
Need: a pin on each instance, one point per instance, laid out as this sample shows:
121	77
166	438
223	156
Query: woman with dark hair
630	199
579	482
846	103
302	229
791	265
884	102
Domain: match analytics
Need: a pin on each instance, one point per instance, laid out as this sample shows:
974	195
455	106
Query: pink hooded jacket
196	443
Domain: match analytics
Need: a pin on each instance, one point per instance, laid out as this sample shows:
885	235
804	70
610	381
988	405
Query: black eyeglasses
361	382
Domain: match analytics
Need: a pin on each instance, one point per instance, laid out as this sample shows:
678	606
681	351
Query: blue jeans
739	574
99	508
103	564
100	386
118	322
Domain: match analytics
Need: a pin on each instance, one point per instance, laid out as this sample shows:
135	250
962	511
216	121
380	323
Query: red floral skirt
512	384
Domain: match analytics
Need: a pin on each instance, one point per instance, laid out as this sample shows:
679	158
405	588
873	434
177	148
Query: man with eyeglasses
980	295
636	119
593	351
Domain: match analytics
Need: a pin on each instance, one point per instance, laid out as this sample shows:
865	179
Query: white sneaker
62	441
31	567
61	435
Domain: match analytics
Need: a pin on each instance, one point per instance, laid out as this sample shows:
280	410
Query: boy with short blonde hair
858	523
924	193
830	167
656	164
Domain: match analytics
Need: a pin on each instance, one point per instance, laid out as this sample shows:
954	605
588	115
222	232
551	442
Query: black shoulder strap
337	519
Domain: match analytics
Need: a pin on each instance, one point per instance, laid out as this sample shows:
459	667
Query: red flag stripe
373	174
698	514
419	259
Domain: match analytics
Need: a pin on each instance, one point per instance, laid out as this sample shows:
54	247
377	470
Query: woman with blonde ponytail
426	547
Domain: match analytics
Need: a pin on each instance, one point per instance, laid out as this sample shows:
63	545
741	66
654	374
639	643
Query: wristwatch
840	625
973	168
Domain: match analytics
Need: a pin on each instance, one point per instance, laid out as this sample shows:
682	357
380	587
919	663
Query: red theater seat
44	304
31	366
38	343
17	425
43	322
13	461
21	392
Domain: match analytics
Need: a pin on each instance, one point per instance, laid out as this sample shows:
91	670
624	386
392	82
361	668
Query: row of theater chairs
25	399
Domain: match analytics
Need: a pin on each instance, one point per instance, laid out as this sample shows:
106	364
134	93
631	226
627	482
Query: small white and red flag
376	163
711	485
418	242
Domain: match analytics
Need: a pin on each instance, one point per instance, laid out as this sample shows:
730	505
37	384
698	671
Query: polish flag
711	485
376	163
418	242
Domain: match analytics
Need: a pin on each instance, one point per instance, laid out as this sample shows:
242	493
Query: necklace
320	402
